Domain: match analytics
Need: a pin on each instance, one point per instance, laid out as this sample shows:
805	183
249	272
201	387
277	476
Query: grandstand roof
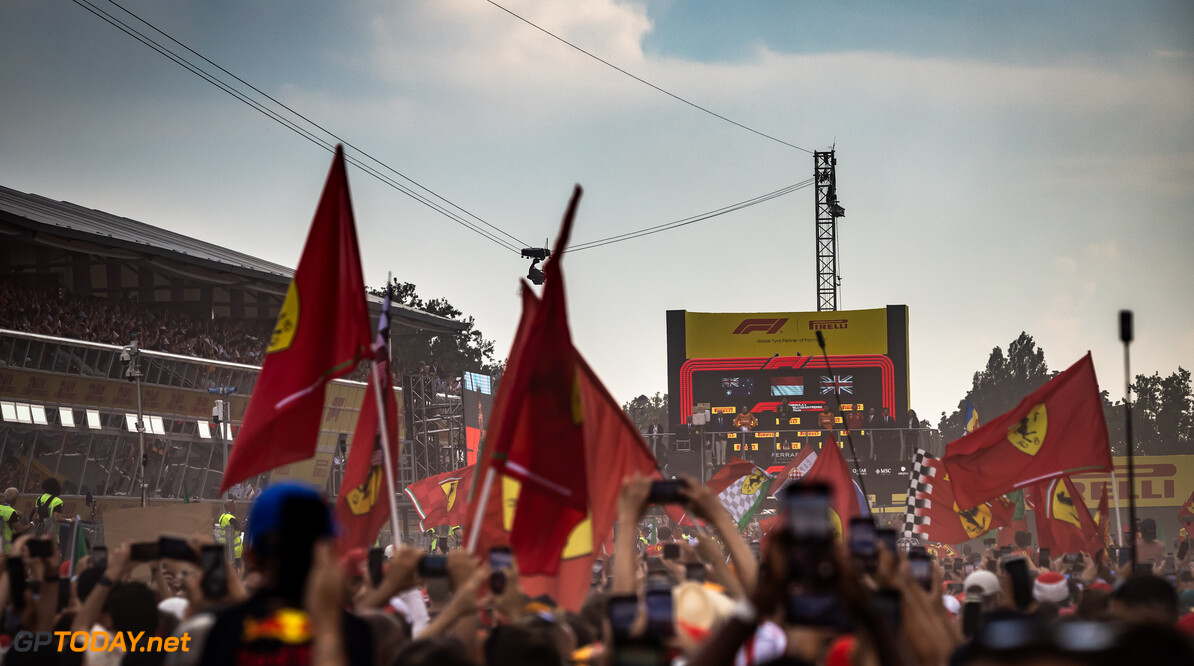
73	227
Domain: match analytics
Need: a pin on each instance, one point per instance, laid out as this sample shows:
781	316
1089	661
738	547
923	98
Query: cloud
1107	251
1066	265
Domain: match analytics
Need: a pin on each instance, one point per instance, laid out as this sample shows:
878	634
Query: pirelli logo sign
827	324
766	326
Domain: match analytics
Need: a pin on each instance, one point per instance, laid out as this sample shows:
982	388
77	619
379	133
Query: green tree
1162	413
453	353
1162	407
642	409
1002	384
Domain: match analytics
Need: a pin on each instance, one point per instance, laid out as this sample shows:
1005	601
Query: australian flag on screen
837	384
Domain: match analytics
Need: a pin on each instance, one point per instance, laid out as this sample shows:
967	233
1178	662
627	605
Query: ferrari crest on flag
1057	430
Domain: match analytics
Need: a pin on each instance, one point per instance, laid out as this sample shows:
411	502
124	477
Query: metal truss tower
434	425
828	210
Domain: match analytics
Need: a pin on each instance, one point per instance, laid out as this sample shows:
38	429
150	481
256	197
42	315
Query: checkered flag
920	484
742	497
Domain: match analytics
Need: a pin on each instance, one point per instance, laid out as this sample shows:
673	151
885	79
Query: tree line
1162	406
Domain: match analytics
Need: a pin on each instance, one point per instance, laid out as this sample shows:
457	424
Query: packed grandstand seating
117	322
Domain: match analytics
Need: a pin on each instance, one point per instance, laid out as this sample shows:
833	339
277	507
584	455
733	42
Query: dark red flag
1063	522
613	451
442	499
1056	430
933	513
540	440
831	469
321	334
364	502
1185	515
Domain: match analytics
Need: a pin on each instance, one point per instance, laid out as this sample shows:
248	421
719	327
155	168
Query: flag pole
473	531
387	459
1119	522
384	421
1125	335
849	438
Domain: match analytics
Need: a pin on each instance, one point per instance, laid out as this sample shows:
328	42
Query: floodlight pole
224	410
133	353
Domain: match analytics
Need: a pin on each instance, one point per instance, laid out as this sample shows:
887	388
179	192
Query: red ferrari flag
539	438
613	450
363	505
1056	430
442	499
322	333
847	500
933	514
1064	524
1185	515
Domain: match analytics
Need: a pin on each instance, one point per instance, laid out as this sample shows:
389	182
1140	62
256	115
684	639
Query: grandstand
76	286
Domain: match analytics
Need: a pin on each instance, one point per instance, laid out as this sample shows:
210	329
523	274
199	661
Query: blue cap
268	510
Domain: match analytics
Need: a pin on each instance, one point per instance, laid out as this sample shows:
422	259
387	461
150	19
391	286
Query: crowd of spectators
668	595
119	321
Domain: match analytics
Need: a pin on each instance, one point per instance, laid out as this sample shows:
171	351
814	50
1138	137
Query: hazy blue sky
1004	166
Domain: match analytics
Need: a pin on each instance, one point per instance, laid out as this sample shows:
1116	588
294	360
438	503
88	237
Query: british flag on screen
837	384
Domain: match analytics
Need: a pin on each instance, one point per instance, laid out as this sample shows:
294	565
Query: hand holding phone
376	565
433	566
146	551
921	567
666	492
214	581
172	548
40	548
99	557
501	560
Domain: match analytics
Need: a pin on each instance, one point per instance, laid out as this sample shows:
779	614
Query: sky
1005	167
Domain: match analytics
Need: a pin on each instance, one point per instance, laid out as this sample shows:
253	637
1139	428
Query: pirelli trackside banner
762	334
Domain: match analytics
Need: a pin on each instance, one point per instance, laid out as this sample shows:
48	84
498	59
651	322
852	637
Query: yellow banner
1161	481
762	334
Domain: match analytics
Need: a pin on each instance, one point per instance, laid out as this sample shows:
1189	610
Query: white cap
985	580
176	606
389	552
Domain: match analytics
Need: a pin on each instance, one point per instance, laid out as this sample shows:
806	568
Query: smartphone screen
39	548
214	582
176	549
377	559
1125	555
501	559
807	508
1044	557
433	566
671	551
622	611
146	551
666	492
659	612
99	557
921	568
862	538
887	602
16	581
1017	571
